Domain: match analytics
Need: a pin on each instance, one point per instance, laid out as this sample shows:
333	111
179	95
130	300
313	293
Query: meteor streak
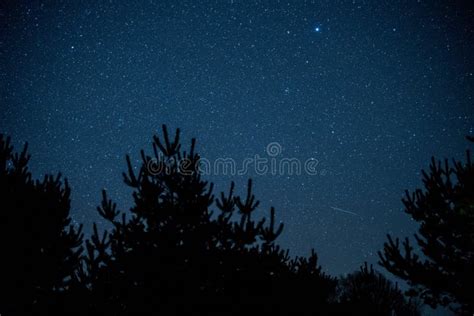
344	211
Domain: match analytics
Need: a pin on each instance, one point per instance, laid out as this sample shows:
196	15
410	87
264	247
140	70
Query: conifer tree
40	248
444	273
182	251
367	292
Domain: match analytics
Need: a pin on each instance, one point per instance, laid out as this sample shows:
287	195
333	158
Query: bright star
317	29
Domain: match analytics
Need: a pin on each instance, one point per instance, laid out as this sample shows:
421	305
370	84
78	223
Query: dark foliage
367	292
40	249
445	211
173	255
178	250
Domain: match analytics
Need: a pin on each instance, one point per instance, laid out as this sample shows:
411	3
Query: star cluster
371	89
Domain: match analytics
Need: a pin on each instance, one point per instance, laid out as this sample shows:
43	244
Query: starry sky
370	89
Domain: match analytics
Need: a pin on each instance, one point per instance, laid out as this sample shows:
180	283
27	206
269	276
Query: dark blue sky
371	89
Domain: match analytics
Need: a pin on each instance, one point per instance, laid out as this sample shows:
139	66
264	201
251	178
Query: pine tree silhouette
178	250
181	251
367	292
40	249
445	211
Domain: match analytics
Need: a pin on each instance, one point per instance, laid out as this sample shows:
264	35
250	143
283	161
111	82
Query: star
307	82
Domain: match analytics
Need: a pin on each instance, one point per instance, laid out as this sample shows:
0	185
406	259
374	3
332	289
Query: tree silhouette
181	251
40	249
367	292
178	250
445	211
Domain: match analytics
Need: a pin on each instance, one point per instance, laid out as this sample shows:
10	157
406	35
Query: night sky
369	89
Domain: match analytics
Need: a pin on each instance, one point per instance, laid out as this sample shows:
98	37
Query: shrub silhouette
177	254
40	249
367	292
445	211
